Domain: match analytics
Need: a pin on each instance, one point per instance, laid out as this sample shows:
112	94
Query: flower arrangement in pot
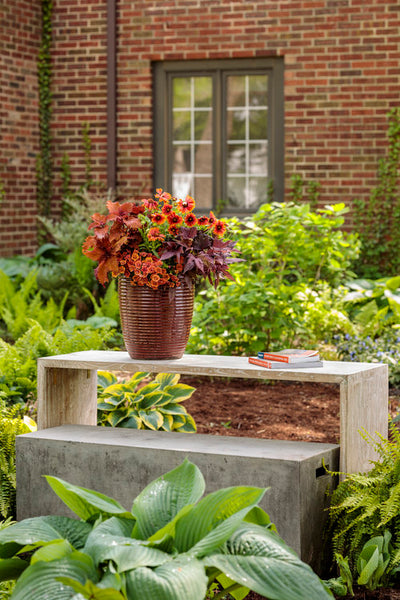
158	249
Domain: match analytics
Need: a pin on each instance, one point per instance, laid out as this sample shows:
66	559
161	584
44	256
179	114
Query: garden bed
272	410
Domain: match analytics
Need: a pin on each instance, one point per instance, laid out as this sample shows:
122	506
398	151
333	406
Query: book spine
274	357
260	362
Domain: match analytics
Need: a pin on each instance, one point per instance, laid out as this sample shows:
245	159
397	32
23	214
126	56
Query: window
218	131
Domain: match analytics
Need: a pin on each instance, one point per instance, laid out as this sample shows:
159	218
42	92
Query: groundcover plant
173	545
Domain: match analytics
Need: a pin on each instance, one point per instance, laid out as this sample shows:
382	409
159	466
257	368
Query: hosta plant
172	545
154	405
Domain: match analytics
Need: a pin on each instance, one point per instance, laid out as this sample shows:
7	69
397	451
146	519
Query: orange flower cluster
158	242
146	269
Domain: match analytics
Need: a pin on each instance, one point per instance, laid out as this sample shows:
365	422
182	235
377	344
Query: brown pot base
155	323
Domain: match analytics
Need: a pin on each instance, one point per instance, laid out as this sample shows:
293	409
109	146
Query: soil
275	410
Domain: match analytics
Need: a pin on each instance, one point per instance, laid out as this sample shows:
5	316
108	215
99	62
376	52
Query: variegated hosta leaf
168	423
174	409
104	379
136	378
165	379
258	559
180	392
180	579
152	419
212	510
164	497
39	581
153	399
132	422
115	417
189	426
84	502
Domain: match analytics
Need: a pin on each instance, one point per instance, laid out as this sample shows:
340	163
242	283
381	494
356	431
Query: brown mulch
275	410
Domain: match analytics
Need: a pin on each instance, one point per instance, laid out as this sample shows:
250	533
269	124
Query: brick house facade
341	77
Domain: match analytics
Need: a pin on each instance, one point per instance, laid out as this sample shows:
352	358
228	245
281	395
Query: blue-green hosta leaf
180	392
29	531
180	579
258	559
11	568
91	591
126	553
189	426
84	502
165	379
39	581
152	419
114	527
212	510
164	497
52	551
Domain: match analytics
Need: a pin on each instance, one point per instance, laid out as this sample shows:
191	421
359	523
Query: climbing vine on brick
44	165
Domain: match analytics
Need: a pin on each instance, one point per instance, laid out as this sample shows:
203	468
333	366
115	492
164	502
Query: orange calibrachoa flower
159	243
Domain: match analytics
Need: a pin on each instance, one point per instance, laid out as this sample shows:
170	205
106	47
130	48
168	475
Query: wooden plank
207	365
364	408
66	396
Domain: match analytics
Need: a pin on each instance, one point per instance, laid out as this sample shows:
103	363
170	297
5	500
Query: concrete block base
121	462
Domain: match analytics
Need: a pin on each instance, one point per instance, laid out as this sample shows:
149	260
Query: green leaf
29	531
11	568
104	378
164	497
152	419
189	426
180	579
90	591
153	399
84	502
52	551
180	392
167	379
131	422
258	559
212	510
40	580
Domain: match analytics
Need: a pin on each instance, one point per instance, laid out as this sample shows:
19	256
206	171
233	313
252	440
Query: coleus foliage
173	545
159	242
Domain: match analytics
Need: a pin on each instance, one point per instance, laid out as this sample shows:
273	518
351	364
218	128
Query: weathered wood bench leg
364	407
66	396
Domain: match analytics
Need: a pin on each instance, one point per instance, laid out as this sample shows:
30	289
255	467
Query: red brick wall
19	44
79	85
342	76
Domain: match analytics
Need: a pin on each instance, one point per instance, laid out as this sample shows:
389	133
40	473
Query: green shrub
153	405
290	254
374	305
173	545
382	349
367	506
18	362
12	423
377	220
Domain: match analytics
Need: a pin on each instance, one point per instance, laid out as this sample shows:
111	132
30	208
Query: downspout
111	95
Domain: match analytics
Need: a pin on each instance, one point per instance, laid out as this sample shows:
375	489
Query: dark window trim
162	75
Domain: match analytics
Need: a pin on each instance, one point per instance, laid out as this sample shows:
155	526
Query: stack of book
287	359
